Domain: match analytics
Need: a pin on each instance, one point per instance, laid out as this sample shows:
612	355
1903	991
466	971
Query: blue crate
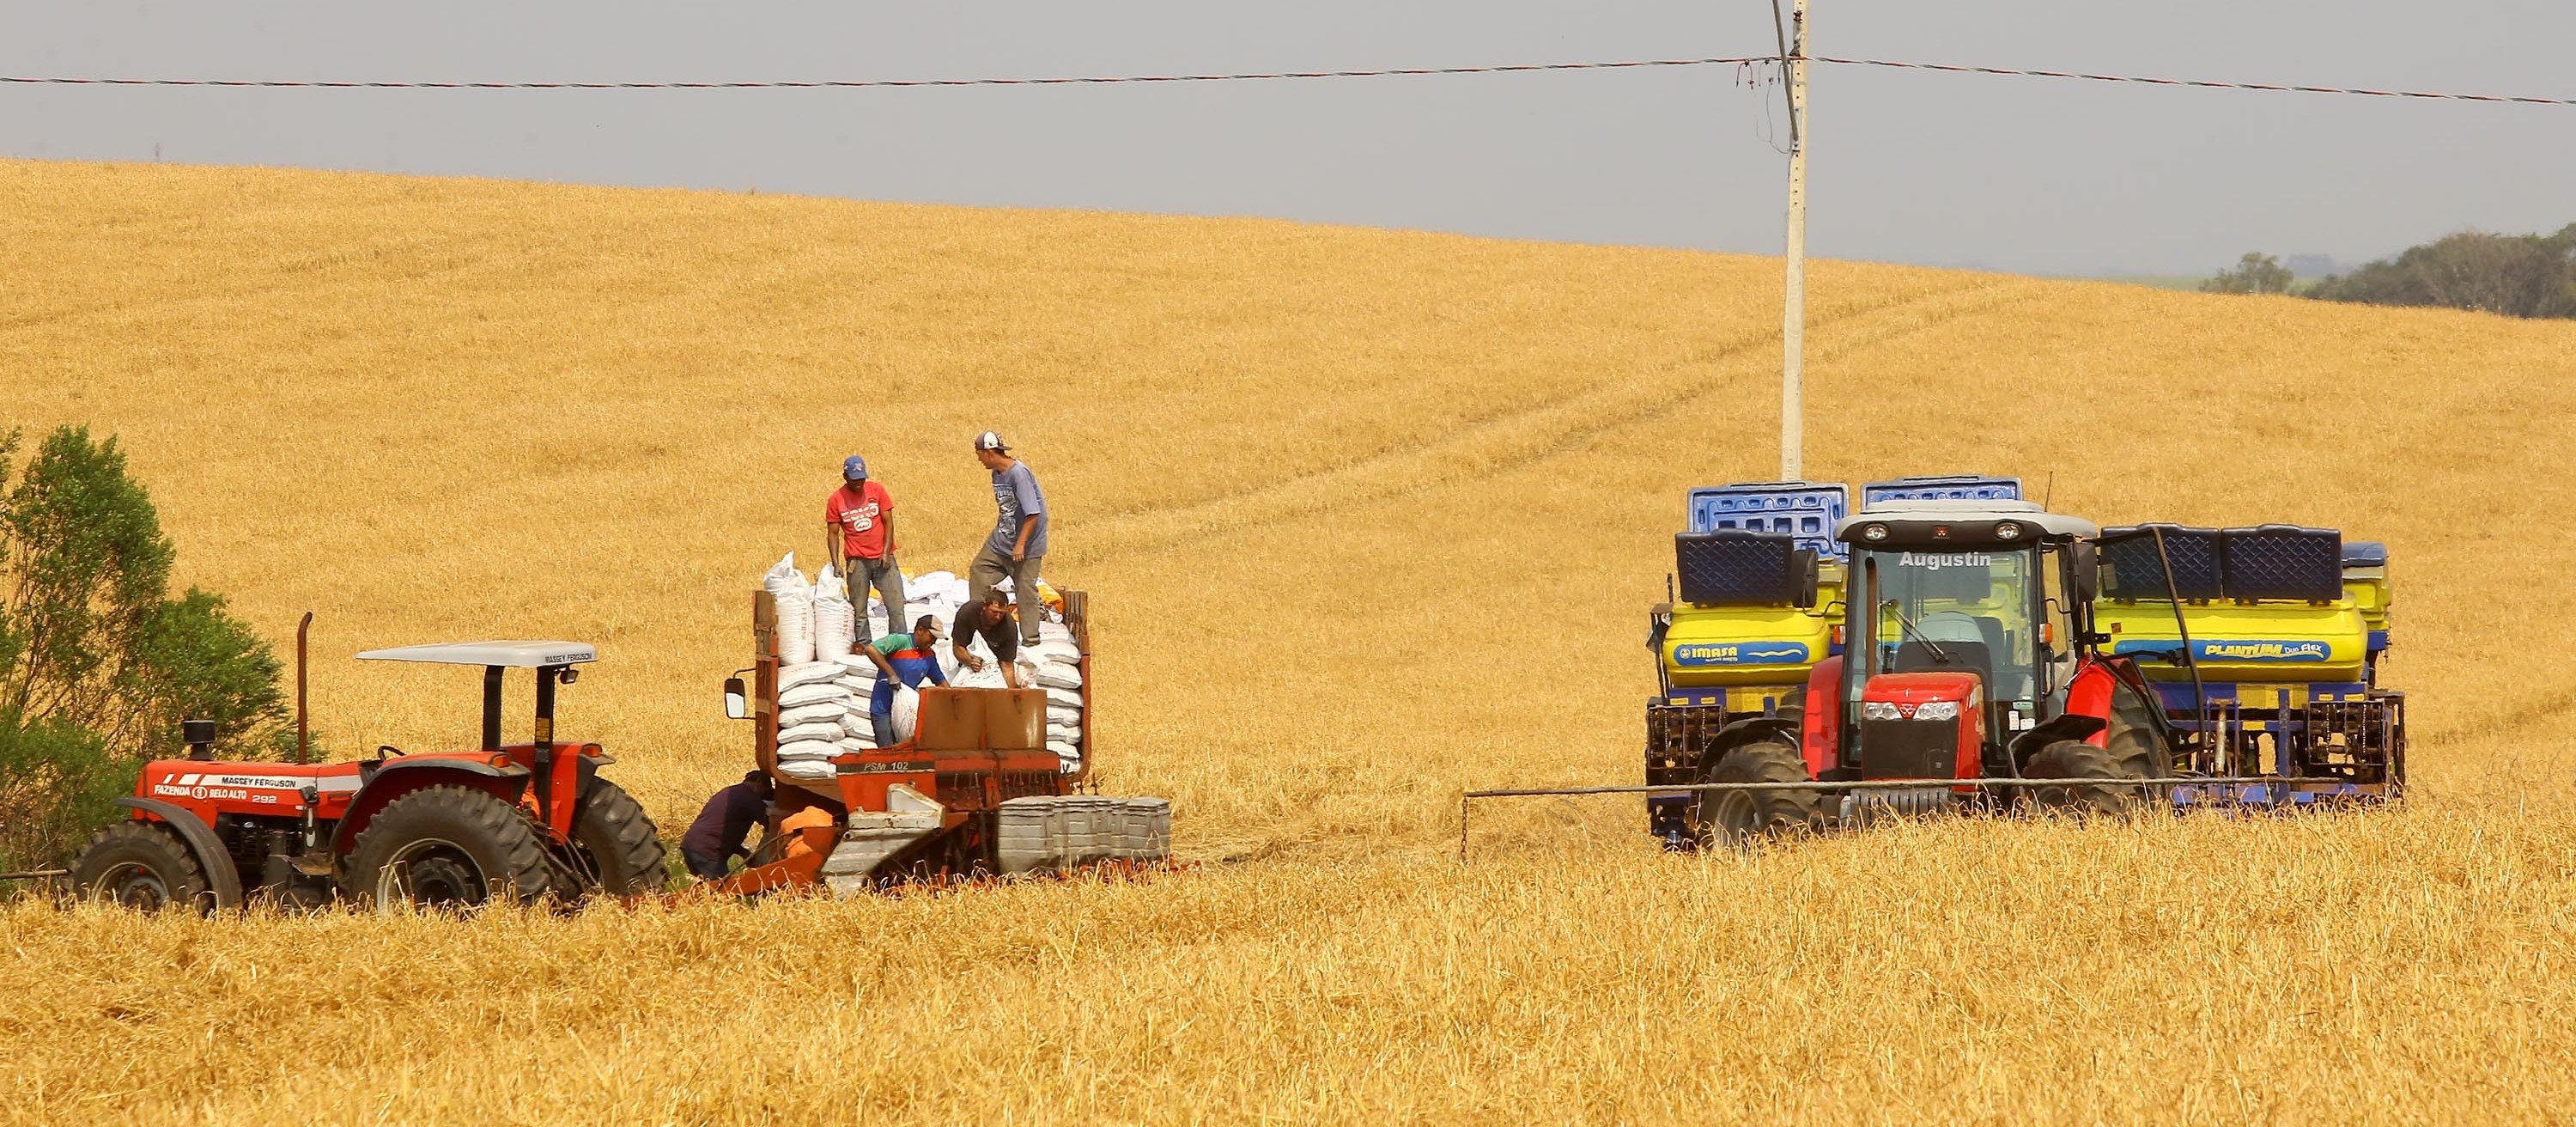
1940	487
1804	510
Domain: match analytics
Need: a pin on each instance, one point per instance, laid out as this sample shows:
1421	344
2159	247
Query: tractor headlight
1874	533
1877	710
2008	530
1937	710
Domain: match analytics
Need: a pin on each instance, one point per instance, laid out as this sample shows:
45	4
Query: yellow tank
2242	641
1756	645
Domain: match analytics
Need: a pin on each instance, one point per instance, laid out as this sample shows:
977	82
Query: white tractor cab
1968	653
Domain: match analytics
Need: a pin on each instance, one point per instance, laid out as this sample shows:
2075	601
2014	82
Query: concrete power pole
1793	314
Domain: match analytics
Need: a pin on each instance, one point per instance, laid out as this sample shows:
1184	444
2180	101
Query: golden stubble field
1370	518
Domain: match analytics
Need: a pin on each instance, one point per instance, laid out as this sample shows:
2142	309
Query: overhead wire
1263	76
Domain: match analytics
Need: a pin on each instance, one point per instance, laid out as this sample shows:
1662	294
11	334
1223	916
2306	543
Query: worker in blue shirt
902	659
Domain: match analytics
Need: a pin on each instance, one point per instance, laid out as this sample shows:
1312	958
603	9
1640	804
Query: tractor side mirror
2086	581
737	702
1804	569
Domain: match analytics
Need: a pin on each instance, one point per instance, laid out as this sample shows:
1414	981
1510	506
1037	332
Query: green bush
58	784
97	664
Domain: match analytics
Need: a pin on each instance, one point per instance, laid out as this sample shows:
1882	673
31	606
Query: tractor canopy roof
1917	524
520	655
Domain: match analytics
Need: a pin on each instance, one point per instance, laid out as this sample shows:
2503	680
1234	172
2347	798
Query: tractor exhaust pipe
303	729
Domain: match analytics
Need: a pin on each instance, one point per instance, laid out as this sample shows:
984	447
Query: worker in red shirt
858	522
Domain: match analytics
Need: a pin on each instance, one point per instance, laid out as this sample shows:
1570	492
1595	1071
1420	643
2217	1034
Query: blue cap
854	467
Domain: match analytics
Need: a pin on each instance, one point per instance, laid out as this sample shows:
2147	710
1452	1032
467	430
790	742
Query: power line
1265	76
2200	83
873	83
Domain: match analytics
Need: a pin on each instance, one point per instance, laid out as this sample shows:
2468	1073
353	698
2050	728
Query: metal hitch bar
2283	781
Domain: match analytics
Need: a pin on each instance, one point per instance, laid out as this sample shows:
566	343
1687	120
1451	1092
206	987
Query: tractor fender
2064	726
201	840
402	776
1751	729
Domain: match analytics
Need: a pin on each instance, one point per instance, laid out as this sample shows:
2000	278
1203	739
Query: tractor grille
1909	749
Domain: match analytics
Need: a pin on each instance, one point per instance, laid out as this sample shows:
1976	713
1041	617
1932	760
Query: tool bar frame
2286	782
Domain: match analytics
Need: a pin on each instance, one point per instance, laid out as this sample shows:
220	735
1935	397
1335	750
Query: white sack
810	749
989	677
1061	651
783	578
1049	675
795	628
811	770
907	713
835	621
856	725
817	730
828	712
790	676
815	693
1064	697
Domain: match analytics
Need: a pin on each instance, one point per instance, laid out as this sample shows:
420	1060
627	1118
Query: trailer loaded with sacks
982	783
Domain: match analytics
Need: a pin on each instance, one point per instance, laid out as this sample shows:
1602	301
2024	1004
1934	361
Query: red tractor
1969	653
441	829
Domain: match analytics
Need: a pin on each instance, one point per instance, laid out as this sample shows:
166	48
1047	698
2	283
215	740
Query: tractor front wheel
143	866
616	843
2075	759
447	847
1736	817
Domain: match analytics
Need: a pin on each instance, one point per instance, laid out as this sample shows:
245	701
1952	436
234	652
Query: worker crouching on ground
723	830
1019	539
988	617
902	659
858	521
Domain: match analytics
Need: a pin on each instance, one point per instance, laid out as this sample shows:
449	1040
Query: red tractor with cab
1968	653
450	829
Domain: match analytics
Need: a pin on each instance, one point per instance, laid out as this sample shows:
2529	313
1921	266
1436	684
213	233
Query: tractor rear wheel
616	843
1736	817
2075	759
143	866
2134	741
448	847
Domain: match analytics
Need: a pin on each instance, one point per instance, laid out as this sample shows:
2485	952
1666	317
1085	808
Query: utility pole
1793	314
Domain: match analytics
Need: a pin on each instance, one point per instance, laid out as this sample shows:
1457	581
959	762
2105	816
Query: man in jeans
1019	539
858	521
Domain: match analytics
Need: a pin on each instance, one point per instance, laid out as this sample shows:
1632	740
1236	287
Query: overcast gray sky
2021	174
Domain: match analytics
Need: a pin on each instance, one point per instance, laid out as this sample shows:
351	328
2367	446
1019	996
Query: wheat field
1370	518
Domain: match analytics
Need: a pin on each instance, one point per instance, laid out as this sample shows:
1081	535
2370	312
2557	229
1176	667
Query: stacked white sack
810	702
1054	664
835	621
795	602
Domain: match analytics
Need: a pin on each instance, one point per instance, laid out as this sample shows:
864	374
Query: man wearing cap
1019	538
858	521
902	660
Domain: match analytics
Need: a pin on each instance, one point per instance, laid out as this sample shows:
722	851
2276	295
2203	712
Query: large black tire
1737	817
2075	759
2134	743
615	843
448	847
144	866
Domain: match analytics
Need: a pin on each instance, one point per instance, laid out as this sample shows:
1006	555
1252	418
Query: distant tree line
2516	275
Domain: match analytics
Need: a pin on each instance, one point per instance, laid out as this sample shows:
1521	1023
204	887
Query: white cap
991	440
